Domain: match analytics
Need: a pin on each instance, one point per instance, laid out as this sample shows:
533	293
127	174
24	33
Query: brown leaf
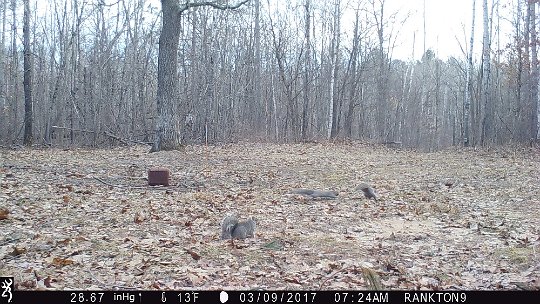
62	262
4	214
139	218
78	175
64	242
67	187
293	280
47	282
30	284
17	251
193	254
168	243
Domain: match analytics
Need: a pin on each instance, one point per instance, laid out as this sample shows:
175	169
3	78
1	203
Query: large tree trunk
168	125
27	82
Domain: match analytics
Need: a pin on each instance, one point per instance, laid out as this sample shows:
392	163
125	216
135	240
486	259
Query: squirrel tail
244	229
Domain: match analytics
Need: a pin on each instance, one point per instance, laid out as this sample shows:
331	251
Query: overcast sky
448	24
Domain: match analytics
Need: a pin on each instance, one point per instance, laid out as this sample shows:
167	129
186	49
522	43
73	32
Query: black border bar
269	296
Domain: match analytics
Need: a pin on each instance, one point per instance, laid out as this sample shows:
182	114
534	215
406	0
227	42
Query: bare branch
213	4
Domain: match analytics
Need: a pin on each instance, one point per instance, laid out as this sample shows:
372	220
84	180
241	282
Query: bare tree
468	85
381	81
333	122
168	126
28	104
353	63
527	72
307	70
535	103
3	114
486	122
13	72
257	61
288	75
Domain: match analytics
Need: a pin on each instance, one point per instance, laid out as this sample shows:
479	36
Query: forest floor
86	219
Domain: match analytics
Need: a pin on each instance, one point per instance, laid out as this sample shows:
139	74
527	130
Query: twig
8	257
8	241
331	276
106	133
109	287
135	187
119	186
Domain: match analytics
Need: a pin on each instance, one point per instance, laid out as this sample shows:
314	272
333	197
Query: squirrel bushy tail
231	228
316	193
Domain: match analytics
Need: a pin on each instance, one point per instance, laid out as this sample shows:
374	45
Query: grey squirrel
231	228
316	193
369	192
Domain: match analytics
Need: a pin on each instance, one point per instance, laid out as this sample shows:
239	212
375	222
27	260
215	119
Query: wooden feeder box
158	176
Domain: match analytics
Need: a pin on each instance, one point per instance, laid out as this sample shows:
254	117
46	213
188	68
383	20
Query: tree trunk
468	87
168	125
27	82
520	81
527	75
535	126
333	127
257	66
486	71
3	91
347	124
307	68
382	76
13	72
